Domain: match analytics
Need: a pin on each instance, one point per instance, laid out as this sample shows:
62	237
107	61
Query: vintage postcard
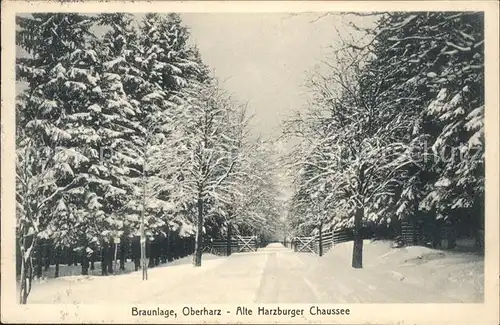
250	162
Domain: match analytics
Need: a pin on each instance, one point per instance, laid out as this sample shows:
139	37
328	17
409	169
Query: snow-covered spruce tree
162	65
443	55
52	183
95	97
440	55
119	129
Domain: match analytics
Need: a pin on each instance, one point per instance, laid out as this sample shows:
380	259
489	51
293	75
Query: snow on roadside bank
121	288
454	274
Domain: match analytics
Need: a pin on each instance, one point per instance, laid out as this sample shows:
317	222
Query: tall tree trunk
104	259
167	247
92	260
85	263
199	233
39	261
170	249
57	260
320	244
182	243
156	251
228	241
186	246
18	258
47	255
163	246
75	256
110	257
69	256
357	251
152	252
25	282
26	267
136	252
479	226
144	258
180	253
22	294
84	257
123	246
135	249
175	246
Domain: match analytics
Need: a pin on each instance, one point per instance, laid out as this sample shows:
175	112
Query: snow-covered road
273	274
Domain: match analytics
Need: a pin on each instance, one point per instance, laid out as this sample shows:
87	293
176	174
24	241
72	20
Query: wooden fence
238	244
247	243
320	244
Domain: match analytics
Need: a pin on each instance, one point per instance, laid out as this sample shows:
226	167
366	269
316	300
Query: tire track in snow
284	280
268	286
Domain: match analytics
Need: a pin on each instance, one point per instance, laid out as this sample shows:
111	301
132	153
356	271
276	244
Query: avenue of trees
123	134
394	130
120	121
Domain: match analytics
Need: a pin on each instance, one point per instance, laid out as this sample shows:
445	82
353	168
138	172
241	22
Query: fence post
320	248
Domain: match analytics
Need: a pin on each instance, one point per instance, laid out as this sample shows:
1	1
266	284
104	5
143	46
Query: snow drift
454	274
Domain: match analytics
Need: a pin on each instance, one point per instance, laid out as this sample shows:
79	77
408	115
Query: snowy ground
409	274
276	274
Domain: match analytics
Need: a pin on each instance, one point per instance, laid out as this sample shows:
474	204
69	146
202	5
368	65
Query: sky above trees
264	59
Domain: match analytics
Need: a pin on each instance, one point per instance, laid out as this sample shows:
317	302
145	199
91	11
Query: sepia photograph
234	166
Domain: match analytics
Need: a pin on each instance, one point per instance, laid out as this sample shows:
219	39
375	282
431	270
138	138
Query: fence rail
238	244
321	244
